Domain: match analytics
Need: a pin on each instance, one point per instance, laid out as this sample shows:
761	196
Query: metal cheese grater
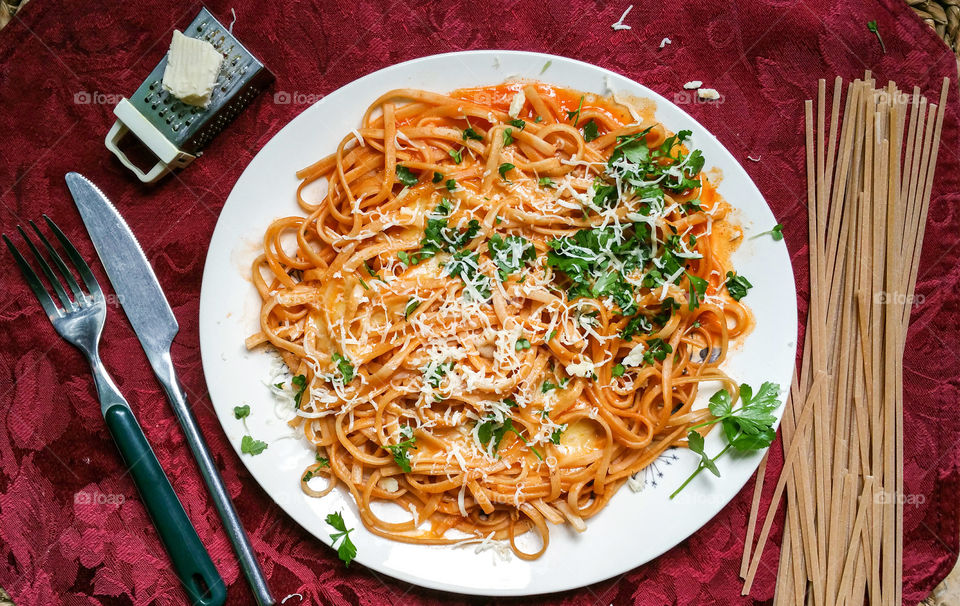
174	131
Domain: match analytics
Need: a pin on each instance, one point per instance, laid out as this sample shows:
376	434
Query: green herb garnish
300	382
252	447
872	26
737	286
590	131
695	292
575	115
747	428
412	305
400	451
490	433
509	253
344	367
776	233
406	176
347	551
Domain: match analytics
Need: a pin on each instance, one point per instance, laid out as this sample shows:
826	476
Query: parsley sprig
872	26
401	450
747	428
347	551
776	233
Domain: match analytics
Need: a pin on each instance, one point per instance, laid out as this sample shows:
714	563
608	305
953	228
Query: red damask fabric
72	529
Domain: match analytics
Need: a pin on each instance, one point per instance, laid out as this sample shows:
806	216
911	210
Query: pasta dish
500	307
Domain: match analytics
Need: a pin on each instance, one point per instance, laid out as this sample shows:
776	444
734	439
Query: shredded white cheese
619	25
708	93
693	84
581	369
665	42
516	104
635	357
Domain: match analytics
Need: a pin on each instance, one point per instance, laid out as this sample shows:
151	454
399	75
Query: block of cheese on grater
192	69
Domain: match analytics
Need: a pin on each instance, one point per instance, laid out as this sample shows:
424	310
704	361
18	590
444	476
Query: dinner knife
155	325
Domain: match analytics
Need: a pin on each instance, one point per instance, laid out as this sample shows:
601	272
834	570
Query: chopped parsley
737	286
695	292
456	154
344	367
517	122
555	436
412	305
490	433
575	115
507	137
618	370
596	261
590	131
504	169
324	461
522	344
636	325
300	382
510	253
472	134
400	451
406	176
432	375
252	447
372	273
657	350
546	183
437	177
347	551
451	184
241	412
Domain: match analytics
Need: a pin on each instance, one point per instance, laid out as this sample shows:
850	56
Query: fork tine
82	268
33	280
67	275
68	305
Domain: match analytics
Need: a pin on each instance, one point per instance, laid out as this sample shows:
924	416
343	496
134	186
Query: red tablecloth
72	529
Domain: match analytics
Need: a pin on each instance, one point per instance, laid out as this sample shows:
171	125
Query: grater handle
117	132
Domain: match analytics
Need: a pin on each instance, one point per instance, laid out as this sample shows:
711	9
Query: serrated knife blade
145	305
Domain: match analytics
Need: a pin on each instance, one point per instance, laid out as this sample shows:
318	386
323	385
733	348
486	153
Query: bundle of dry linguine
869	177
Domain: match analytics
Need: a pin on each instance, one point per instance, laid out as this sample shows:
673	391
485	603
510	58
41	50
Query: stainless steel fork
79	320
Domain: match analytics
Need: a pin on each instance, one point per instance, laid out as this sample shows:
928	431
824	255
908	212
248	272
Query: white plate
617	539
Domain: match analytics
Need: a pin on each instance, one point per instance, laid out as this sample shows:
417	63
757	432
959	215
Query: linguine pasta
501	308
